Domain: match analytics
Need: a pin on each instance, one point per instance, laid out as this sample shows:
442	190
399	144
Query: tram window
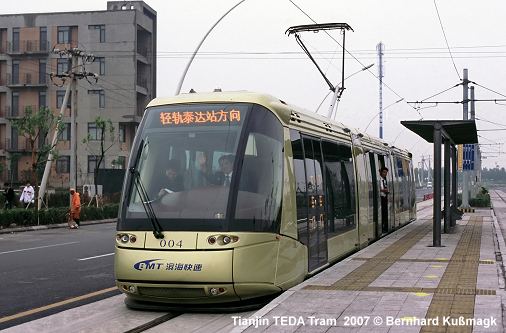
300	186
261	178
340	187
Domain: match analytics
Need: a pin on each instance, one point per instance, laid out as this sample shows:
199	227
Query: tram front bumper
170	276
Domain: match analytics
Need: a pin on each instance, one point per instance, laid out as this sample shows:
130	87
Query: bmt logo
148	264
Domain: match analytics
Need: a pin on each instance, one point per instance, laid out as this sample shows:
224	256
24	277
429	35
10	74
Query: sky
249	50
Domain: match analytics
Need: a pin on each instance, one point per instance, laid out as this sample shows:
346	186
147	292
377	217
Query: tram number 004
171	243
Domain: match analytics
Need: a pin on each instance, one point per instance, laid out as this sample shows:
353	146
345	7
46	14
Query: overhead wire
446	40
353	56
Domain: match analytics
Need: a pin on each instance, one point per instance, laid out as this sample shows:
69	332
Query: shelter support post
436	229
454	132
455	215
447	209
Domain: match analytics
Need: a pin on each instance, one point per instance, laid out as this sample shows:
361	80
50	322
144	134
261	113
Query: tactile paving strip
483	262
461	274
454	296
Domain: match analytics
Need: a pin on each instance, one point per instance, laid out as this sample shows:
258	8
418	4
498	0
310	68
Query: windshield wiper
146	203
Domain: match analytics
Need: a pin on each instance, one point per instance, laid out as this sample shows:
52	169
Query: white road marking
38	247
102	255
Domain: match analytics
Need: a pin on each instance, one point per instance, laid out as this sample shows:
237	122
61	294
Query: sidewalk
403	284
51	226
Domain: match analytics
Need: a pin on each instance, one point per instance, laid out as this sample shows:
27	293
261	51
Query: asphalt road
40	268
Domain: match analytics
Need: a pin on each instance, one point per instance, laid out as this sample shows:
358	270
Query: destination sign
211	117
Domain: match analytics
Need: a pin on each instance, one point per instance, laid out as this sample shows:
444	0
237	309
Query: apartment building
123	41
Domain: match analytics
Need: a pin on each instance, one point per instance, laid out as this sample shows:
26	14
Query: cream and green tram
298	197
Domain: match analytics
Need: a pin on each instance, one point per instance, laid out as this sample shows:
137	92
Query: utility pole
465	101
380	48
72	74
73	125
473	172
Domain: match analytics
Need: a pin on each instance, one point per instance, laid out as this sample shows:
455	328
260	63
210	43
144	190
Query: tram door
317	236
375	194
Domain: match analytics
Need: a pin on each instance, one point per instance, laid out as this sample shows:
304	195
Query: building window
101	97
64	135
60	95
94	132
121	132
64	35
101	63
92	163
15	39
101	29
43	38
14	140
42	99
15	104
15	72
63	164
42	71
63	65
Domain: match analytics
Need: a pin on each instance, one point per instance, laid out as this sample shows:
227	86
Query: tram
302	193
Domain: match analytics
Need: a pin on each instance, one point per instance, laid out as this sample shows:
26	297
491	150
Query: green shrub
27	217
59	199
481	200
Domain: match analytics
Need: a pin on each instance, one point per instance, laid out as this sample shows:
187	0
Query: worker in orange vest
75	208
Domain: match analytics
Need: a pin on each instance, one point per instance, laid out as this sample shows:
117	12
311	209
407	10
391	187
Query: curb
52	226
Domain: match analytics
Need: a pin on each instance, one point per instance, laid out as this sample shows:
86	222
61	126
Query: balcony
28	47
3	147
27	80
3	112
19	112
16	146
21	145
3	48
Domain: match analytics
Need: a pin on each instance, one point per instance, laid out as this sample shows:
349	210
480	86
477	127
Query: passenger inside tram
173	181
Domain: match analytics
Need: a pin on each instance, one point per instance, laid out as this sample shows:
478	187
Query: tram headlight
217	291
125	238
222	239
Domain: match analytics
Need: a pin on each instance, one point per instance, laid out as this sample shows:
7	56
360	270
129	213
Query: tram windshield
207	167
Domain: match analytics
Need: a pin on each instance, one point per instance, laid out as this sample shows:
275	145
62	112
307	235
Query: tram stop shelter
448	133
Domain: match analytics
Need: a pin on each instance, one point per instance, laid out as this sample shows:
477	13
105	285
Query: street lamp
180	84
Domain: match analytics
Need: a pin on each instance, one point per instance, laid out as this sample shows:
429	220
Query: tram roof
288	113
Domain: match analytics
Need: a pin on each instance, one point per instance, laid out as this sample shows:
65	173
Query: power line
491	122
439	93
492	130
356	59
446	40
479	85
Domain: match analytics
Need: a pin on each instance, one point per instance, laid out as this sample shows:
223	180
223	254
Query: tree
103	126
35	127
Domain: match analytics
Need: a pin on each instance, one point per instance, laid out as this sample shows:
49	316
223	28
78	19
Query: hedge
27	217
